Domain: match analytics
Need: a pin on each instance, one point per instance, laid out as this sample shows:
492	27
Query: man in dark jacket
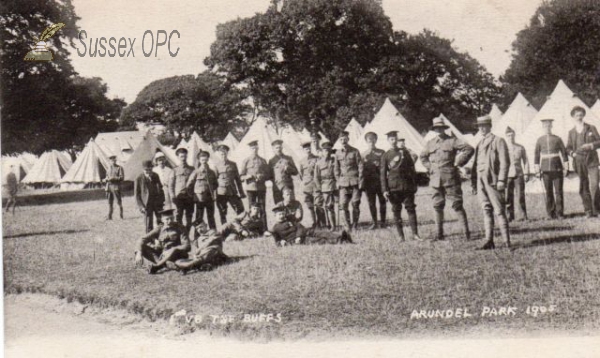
203	183
229	189
399	183
372	181
283	169
149	195
114	178
184	202
582	144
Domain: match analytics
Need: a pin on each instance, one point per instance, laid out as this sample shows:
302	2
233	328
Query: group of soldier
499	171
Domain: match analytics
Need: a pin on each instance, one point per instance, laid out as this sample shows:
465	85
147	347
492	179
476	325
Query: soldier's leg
584	189
330	208
455	194
356	194
549	194
382	207
372	199
558	194
172	256
211	257
320	237
320	210
151	254
510	198
222	207
499	207
488	213
149	218
439	202
309	200
236	204
209	206
262	199
594	177
189	212
199	213
110	196
277	195
520	193
411	210
396	198
345	197
119	200
252	197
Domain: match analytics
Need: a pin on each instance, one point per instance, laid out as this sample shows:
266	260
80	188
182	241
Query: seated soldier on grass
288	232
293	208
208	254
247	225
166	243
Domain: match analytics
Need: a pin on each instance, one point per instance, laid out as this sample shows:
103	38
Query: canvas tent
518	116
388	119
355	134
305	136
90	168
121	144
194	145
230	141
557	107
596	108
146	150
48	169
452	130
495	113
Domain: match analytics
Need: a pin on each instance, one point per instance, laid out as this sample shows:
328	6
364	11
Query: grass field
368	289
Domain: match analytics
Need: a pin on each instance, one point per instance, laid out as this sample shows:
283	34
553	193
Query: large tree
44	104
327	61
188	103
562	41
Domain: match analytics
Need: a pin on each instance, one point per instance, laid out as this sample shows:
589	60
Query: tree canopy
45	105
562	41
189	103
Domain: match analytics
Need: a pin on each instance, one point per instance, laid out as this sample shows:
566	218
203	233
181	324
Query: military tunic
254	172
283	169
399	178
582	145
203	183
516	180
307	174
163	238
372	183
229	189
550	154
325	184
114	176
184	202
349	179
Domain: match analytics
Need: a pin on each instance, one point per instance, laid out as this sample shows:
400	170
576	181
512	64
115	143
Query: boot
313	217
439	222
373	212
321	217
400	230
382	213
504	232
331	216
412	219
110	212
488	221
347	222
355	217
464	222
121	212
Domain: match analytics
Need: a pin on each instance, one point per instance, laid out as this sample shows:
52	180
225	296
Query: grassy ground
362	290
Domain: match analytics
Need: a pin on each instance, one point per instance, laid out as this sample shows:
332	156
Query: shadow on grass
540	229
27	234
560	240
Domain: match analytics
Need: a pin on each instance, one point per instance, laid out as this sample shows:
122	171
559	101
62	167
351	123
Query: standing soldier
516	176
307	172
282	171
203	183
149	195
372	181
184	202
164	174
552	165
488	177
582	144
12	187
442	156
349	179
229	188
399	183
325	186
253	173
114	176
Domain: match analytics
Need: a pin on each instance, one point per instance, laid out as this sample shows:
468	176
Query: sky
483	28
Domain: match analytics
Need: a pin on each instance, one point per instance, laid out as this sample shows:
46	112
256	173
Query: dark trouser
211	255
455	195
184	206
259	196
588	187
151	212
399	198
209	206
325	208
515	186
234	201
278	193
114	194
553	186
350	194
309	200
372	196
12	200
156	256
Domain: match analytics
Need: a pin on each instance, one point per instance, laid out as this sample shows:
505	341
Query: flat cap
181	150
326	145
223	148
253	143
147	164
277	142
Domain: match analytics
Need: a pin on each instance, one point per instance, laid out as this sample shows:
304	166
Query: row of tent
132	148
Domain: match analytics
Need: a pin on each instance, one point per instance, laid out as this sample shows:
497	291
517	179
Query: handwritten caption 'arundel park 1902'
485	311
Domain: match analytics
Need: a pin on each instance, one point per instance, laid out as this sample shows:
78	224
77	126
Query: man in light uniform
229	189
488	178
254	172
307	172
325	185
349	180
517	176
443	156
283	169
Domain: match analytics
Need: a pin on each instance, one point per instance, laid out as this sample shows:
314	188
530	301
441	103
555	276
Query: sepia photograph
268	178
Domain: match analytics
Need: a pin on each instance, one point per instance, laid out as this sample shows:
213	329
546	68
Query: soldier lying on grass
166	243
208	254
287	231
249	224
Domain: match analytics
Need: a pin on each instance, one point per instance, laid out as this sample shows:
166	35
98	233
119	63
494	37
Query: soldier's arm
138	194
525	161
171	184
317	177
191	180
301	169
336	168
474	171
504	160
425	157
536	153
413	155
185	241
596	138
570	145
465	152
152	235
213	183
238	181
121	174
361	166
383	173
293	168
563	151
244	170
299	212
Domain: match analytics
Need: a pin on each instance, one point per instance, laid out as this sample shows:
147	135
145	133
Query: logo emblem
41	52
